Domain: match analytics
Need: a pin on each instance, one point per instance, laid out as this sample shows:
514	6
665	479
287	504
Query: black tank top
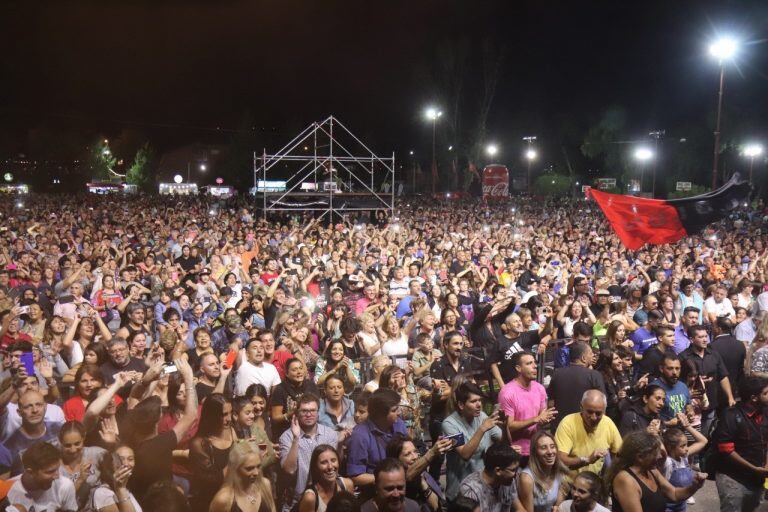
650	501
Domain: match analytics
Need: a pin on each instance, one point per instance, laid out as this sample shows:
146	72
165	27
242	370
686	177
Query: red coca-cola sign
495	182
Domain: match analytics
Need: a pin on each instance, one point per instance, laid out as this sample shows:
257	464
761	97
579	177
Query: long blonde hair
237	455
539	472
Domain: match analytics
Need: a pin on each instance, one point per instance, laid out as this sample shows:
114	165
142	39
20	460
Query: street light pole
752	151
716	154
722	49
656	134
434	158
530	155
432	114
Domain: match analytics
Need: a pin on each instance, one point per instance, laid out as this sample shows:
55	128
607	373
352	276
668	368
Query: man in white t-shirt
718	305
40	487
253	369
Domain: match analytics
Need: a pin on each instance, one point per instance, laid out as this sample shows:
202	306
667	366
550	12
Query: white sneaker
691	501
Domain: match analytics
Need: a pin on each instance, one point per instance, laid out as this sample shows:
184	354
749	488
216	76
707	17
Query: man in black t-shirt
514	339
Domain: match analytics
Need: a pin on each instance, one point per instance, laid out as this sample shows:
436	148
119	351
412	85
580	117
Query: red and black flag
639	221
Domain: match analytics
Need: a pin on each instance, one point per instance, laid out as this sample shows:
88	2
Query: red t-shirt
279	359
74	408
7	339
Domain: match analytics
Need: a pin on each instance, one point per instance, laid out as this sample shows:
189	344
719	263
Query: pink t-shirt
522	404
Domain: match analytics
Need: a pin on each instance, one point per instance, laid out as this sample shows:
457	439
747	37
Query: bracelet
127	498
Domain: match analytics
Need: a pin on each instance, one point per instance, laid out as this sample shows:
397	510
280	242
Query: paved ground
707	501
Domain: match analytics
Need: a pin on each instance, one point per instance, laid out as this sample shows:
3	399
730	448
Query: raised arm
190	409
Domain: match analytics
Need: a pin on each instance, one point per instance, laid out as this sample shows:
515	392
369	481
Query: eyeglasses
307	413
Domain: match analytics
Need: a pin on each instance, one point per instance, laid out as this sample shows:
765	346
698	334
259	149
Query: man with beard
712	371
120	360
678	396
390	489
39	487
442	372
136	317
493	487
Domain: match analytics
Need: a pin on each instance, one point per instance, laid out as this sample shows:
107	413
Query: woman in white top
113	495
368	334
395	342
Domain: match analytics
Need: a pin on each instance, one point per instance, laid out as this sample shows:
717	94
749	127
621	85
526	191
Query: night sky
170	67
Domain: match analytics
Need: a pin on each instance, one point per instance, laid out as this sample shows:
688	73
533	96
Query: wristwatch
584	461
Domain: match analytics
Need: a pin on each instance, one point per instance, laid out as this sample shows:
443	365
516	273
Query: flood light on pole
724	48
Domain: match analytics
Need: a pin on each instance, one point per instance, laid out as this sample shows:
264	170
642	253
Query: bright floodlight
178	178
724	48
753	150
203	167
432	113
491	149
531	154
643	154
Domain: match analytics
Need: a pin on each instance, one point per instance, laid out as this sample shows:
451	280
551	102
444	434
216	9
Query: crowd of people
173	354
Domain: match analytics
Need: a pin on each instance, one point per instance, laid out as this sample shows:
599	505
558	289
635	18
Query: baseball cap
640	317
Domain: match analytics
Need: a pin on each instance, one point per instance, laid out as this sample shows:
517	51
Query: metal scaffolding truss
324	168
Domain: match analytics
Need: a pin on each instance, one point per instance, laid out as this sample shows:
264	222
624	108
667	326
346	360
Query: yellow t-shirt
572	439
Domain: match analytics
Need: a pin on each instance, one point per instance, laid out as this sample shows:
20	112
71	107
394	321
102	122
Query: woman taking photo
79	463
336	410
177	402
541	485
113	494
325	481
636	483
80	334
244	423
209	450
420	486
245	488
571	312
88	378
335	362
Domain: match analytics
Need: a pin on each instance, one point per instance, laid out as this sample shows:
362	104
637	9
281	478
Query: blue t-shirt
642	339
368	446
678	396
